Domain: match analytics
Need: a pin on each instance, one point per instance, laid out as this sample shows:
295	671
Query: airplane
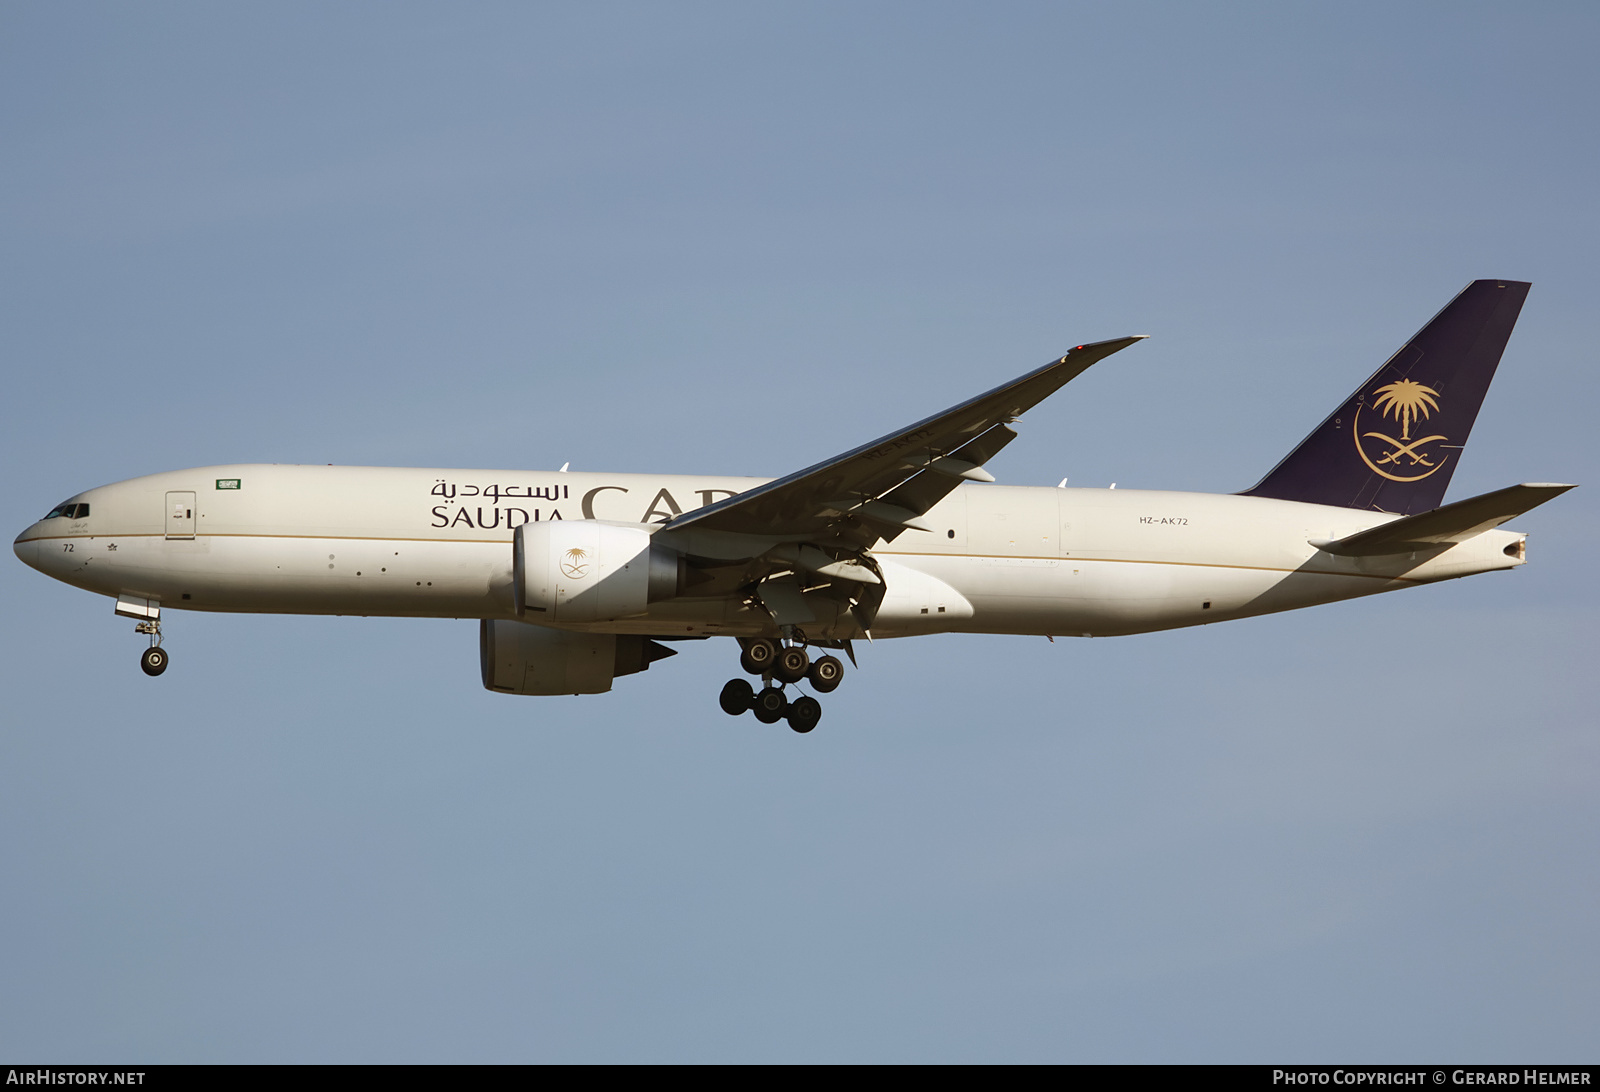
578	579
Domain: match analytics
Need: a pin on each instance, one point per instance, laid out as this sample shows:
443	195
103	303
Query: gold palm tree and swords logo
1395	457
575	563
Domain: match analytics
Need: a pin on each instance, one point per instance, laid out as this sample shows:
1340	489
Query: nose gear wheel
153	660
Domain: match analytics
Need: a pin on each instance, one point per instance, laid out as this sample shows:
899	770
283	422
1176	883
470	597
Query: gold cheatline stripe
1147	561
229	534
881	553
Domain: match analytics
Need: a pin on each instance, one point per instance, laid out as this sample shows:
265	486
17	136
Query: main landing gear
779	667
152	660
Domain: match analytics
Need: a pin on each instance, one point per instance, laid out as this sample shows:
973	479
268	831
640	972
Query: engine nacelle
522	658
589	571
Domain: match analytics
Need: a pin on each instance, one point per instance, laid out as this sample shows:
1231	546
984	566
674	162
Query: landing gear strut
152	660
780	666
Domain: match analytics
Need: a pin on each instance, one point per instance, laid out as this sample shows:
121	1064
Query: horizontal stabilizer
1453	523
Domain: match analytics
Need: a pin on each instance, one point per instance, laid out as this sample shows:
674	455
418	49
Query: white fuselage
438	543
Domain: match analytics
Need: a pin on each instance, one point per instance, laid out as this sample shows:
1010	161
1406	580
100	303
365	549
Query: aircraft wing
879	489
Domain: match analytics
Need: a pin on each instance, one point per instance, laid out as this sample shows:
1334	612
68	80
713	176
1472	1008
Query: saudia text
662	507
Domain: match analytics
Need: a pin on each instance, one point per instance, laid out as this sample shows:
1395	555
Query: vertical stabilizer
1394	444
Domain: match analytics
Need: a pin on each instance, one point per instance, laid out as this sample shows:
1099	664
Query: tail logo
1408	403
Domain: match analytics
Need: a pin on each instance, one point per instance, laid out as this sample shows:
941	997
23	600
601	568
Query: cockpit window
69	511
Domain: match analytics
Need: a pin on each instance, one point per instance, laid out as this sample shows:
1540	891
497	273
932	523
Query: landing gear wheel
792	664
758	656
804	714
153	660
736	697
826	674
770	705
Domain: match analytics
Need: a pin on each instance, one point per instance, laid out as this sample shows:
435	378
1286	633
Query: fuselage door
180	515
1076	519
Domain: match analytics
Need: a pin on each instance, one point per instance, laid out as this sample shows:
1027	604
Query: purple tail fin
1393	446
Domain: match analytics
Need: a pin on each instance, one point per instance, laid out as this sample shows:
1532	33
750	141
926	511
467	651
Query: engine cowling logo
1408	403
575	563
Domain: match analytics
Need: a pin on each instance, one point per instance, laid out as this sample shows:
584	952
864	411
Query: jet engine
522	658
589	571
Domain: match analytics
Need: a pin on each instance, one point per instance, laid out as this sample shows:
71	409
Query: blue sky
737	239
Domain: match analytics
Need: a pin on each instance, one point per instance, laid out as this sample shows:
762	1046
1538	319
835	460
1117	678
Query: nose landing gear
153	660
782	665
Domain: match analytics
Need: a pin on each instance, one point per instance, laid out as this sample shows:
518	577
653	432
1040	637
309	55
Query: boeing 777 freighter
580	578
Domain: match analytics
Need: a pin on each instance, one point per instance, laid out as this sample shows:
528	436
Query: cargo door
180	515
